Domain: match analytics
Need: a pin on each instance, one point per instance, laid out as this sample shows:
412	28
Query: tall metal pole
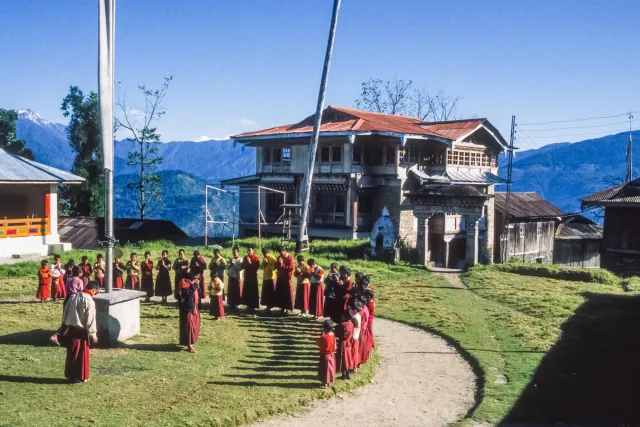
509	173
629	174
206	215
313	144
106	46
259	221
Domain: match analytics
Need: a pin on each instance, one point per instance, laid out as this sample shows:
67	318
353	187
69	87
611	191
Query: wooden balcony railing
24	227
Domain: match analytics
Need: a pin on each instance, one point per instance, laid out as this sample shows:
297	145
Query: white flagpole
106	45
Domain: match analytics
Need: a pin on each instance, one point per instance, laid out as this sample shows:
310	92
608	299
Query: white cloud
209	138
247	123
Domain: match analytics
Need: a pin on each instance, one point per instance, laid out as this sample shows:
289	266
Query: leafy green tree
8	140
138	122
83	132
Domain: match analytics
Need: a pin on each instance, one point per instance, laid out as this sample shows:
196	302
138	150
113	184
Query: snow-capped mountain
47	140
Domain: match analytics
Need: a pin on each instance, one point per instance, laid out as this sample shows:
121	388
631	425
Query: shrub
559	273
631	284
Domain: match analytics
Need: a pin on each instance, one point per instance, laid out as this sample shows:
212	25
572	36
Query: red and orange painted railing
24	227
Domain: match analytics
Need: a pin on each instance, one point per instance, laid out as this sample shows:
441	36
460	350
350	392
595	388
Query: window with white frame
521	230
276	155
539	229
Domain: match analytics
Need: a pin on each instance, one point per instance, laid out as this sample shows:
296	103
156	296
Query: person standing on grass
250	296
316	295
79	324
371	305
146	269
188	302
345	288
118	270
197	266
364	344
99	268
219	265
356	319
268	267
44	281
327	346
133	272
284	292
58	287
332	307
86	270
163	279
216	289
234	290
302	287
344	353
181	268
73	286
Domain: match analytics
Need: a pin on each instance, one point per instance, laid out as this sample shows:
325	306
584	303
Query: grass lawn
505	324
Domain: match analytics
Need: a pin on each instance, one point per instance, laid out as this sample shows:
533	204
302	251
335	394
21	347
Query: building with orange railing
29	206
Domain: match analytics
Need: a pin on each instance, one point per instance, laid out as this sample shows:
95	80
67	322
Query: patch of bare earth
421	381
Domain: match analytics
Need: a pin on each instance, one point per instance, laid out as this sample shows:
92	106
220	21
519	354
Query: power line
579	120
575	134
577	127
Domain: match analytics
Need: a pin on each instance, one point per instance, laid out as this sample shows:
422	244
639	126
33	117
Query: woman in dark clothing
163	279
188	300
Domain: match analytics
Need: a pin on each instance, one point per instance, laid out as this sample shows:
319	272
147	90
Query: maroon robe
216	306
76	367
59	288
189	316
250	296
365	341
327	366
197	267
344	353
284	291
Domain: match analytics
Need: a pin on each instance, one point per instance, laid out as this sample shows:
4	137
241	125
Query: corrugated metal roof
456	176
526	205
17	169
575	231
625	193
340	119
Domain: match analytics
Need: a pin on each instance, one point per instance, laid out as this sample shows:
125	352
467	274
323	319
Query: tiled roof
526	205
340	119
17	169
625	193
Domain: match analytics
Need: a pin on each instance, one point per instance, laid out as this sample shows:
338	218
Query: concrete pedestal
117	316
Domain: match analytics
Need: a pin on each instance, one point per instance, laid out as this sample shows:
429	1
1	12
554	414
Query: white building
29	206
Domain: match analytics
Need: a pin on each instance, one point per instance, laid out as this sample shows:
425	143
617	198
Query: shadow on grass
167	347
279	368
292	365
35	338
32	380
301	386
591	375
272	377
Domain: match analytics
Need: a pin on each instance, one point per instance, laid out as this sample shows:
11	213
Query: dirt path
421	381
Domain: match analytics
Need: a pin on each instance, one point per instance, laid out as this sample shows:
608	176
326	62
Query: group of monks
347	338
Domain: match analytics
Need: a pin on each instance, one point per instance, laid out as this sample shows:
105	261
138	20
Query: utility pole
313	144
509	173
106	46
629	175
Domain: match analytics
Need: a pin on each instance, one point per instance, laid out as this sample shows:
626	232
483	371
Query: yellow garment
216	287
268	264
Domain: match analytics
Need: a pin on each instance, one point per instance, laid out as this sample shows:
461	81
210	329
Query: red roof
340	119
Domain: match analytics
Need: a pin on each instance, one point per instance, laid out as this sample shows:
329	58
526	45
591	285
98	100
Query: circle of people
346	303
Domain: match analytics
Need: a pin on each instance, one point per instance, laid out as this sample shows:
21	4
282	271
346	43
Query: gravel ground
422	381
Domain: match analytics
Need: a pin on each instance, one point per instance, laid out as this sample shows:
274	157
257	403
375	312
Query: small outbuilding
577	242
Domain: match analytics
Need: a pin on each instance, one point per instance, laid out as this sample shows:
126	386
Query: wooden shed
577	242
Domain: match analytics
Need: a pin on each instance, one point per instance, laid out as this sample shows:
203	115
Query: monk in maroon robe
189	299
284	270
344	353
197	266
250	293
316	297
327	345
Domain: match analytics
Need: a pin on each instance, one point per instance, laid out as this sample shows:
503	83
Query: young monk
216	288
118	271
79	322
302	287
331	304
327	345
284	292
344	291
44	281
371	305
218	264
188	302
250	265
197	266
163	279
86	270
316	295
146	269
181	268
356	319
268	267
364	331
58	287
133	273
99	268
344	334
68	274
234	291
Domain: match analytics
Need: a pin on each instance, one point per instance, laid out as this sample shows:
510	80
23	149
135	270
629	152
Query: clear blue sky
242	65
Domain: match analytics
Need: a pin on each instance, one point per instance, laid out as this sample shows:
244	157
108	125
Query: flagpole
106	45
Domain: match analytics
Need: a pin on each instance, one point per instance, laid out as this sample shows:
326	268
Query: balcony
24	227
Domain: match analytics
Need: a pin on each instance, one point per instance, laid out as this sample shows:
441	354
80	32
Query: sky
245	65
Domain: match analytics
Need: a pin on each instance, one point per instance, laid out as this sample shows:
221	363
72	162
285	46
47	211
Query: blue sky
243	65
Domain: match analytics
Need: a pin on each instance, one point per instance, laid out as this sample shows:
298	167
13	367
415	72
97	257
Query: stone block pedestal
117	316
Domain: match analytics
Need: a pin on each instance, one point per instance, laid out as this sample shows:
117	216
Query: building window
329	154
357	153
521	230
471	158
336	154
286	155
266	155
412	155
330	208
276	155
390	155
539	229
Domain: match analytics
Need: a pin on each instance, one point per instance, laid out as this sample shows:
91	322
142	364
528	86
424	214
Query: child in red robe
86	271
316	295
133	273
44	281
58	282
302	287
327	345
118	271
344	353
364	331
216	290
188	301
250	296
99	269
284	270
146	270
356	319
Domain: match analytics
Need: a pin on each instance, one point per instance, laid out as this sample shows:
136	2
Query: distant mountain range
561	172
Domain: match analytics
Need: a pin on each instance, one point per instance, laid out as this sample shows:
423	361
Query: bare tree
398	96
139	124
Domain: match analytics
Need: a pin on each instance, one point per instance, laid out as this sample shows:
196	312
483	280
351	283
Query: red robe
250	296
284	292
316	295
197	267
303	288
364	336
44	284
344	353
189	317
327	367
371	305
86	274
76	366
146	270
